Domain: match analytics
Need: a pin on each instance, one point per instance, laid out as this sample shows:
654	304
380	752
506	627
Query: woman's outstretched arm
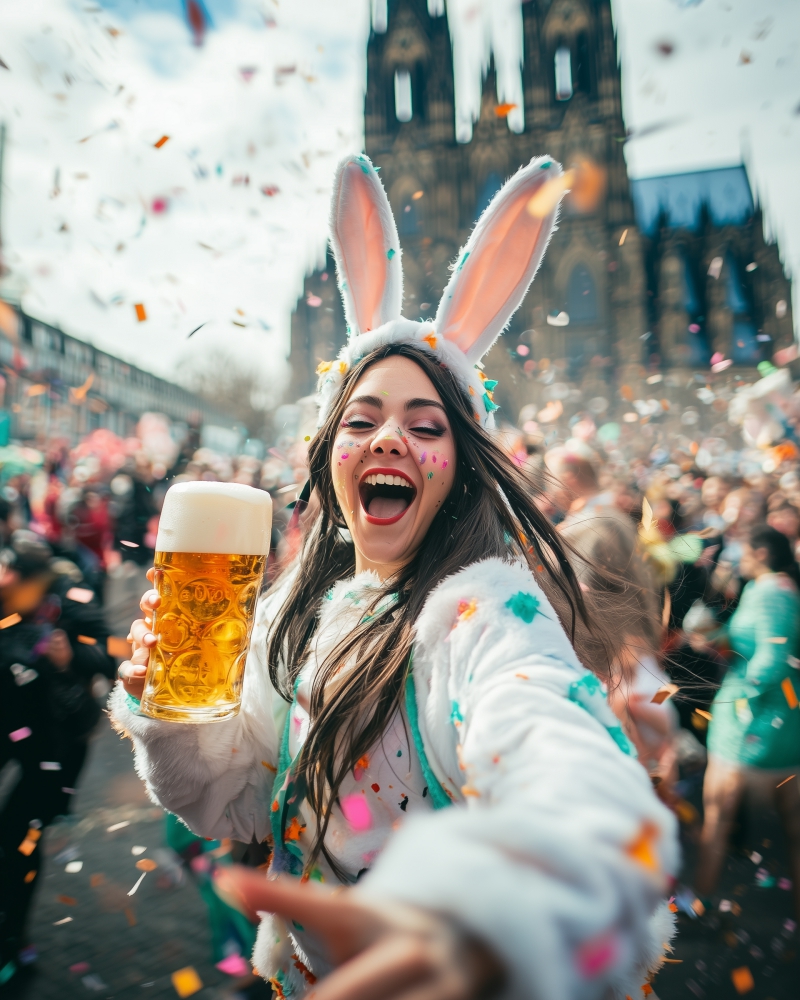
563	853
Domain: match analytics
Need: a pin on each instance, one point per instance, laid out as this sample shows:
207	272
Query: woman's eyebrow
418	402
368	400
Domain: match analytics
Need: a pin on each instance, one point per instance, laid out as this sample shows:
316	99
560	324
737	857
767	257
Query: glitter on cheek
433	459
422	457
444	463
345	456
430	475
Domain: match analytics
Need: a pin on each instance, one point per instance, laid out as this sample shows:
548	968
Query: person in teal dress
754	733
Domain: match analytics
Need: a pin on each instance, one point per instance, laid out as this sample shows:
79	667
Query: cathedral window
402	95
745	348
581	296
563	62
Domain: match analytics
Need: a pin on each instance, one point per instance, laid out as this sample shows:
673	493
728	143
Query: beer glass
211	550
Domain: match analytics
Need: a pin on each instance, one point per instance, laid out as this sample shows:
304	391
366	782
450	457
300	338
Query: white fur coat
557	852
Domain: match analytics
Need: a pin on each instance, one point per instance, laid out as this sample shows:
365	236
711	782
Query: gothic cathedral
660	273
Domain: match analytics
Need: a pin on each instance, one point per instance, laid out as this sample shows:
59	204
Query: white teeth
384	480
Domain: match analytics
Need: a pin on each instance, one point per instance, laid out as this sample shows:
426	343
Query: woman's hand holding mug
132	672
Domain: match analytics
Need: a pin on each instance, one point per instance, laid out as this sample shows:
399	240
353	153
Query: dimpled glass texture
203	624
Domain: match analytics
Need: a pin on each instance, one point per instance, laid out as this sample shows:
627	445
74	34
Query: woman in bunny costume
415	719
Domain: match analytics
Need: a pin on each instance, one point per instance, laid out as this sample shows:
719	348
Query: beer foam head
226	518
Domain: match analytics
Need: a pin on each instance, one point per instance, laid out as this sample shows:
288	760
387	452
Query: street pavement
94	939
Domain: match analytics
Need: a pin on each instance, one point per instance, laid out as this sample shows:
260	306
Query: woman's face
753	562
393	463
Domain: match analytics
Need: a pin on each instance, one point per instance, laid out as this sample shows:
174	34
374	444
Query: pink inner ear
493	271
362	241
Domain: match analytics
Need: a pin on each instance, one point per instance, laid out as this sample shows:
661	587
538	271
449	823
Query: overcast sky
219	224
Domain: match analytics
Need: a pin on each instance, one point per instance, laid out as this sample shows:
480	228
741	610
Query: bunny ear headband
489	281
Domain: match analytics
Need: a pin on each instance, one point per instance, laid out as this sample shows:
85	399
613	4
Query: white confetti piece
755	857
136	850
74	867
118	826
63	920
49	765
138	883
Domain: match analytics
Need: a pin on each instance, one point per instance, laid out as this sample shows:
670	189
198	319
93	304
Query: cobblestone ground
751	940
123	947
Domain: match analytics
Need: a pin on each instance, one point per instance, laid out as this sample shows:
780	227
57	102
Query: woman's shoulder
492	593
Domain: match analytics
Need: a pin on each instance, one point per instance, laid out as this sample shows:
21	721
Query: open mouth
385	495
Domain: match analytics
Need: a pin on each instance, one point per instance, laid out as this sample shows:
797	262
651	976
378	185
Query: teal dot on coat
524	606
455	712
390	253
399	753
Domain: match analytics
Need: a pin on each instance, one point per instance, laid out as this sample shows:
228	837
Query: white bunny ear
496	267
366	247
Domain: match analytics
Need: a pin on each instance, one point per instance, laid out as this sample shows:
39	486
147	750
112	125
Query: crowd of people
701	547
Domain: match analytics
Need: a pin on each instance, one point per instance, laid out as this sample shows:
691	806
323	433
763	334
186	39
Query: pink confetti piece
79	968
345	455
433	459
20	734
234	965
422	457
357	813
595	956
444	463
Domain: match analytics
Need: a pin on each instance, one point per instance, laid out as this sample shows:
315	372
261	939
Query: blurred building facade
53	385
660	272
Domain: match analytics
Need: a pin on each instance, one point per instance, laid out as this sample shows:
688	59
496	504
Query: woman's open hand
387	952
132	671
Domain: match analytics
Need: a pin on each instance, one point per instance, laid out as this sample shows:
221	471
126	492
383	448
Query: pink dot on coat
597	954
357	813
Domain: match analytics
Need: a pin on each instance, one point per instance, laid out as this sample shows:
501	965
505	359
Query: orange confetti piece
550	194
742	980
295	829
789	692
96	880
130	916
698	907
503	110
87	640
703	714
466	609
186	981
786	780
164	139
641	850
30	876
116	646
470	791
141	312
522	677
667	691
146	865
10	620
431	341
37	390
67	900
269	766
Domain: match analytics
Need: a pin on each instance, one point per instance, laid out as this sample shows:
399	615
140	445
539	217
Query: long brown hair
490	511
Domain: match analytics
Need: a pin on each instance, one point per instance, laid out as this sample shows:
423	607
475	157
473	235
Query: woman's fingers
141	635
345	925
132	676
389	969
151	574
150	601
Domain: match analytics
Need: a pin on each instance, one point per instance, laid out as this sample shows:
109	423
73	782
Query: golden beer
208	599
